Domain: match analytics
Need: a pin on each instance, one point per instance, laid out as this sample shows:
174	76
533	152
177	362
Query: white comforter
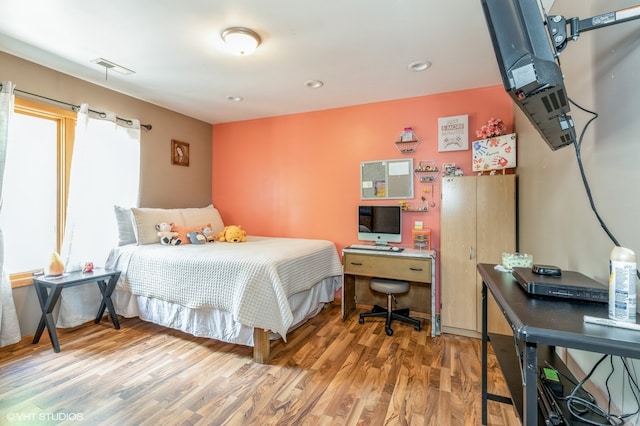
251	280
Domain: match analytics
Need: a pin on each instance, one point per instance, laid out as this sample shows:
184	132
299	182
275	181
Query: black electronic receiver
569	285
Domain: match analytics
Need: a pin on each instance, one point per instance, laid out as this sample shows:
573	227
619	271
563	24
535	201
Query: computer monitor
380	224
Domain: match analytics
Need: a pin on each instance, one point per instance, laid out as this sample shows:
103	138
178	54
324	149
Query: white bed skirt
217	324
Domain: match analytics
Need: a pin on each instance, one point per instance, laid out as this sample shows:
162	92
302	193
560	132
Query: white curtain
105	171
9	326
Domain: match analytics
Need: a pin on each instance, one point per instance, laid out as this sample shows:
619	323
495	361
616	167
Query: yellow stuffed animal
232	234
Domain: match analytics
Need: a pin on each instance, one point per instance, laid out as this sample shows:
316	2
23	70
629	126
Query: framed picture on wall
179	153
453	133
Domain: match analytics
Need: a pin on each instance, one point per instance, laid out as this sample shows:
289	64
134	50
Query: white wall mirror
386	179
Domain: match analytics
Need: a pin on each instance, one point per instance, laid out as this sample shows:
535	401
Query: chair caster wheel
389	331
361	320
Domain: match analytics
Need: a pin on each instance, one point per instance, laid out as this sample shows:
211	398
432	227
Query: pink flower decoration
494	127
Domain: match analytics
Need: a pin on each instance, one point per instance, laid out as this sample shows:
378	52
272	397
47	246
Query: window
35	187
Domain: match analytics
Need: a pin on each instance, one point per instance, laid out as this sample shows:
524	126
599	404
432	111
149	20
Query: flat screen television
380	224
527	62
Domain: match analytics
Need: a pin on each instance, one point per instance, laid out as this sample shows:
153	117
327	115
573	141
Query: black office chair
391	288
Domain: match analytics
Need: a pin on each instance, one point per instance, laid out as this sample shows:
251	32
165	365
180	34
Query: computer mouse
395	248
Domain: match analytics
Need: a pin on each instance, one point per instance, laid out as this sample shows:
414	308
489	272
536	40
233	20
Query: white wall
556	223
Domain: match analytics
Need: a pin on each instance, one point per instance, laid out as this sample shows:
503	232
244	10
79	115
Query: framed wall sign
179	153
453	133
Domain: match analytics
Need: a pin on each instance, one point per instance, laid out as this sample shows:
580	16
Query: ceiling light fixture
235	98
418	66
240	40
314	84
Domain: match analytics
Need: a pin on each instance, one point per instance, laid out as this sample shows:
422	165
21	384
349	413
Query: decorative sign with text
453	133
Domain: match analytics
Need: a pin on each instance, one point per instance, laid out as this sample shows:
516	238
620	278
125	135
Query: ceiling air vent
111	66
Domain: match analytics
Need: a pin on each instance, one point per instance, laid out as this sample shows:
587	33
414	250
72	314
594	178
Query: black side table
48	290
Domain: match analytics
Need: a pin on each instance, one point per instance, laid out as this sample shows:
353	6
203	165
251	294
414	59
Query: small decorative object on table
87	267
55	267
421	239
510	260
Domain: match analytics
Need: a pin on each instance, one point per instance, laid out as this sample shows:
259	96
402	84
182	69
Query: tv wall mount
557	25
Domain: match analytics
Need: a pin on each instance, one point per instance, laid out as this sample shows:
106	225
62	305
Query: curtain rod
77	107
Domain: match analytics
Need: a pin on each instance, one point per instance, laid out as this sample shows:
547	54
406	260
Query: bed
245	293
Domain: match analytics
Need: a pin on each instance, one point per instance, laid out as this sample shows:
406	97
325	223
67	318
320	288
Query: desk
48	290
415	266
540	324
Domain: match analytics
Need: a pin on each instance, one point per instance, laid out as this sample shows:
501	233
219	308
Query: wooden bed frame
261	345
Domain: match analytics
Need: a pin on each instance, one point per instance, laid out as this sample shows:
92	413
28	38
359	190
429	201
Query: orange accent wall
299	175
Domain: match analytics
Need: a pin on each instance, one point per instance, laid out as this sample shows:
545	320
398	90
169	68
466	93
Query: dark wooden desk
48	290
540	324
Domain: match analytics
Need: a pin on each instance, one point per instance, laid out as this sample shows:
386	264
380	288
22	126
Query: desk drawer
393	267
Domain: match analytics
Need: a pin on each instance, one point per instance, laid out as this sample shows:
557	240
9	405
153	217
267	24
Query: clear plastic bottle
622	285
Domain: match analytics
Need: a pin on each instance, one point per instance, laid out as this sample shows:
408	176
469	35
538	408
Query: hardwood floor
329	372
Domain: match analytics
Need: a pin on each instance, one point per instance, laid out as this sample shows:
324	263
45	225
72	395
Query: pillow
184	230
146	219
196	216
126	233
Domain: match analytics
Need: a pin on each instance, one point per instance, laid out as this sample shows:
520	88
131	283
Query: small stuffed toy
233	234
196	238
167	237
209	235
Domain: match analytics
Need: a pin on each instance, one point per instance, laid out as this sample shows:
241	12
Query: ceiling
360	49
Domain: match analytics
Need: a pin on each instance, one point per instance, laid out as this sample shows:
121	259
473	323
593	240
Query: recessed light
314	84
418	66
235	98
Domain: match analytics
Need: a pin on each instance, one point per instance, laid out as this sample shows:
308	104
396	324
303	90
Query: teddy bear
196	238
167	237
209	235
233	234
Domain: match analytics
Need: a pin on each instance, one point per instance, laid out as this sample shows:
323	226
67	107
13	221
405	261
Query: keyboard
375	248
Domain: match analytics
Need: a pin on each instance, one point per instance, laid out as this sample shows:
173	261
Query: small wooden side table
49	288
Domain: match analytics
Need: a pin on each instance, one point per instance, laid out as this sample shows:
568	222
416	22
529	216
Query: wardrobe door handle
416	269
470	252
356	263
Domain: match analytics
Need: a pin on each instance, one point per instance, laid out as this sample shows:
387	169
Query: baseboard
461	332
